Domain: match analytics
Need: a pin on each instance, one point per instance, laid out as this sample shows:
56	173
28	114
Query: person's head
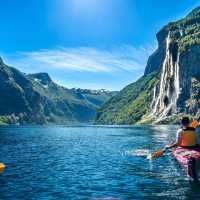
185	121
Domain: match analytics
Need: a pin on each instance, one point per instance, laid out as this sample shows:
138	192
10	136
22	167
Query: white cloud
83	59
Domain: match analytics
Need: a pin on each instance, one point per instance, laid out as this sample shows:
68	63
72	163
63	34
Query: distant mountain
170	86
35	98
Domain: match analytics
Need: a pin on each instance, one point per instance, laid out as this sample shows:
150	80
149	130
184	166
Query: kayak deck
189	160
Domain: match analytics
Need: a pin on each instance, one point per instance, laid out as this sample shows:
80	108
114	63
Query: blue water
94	162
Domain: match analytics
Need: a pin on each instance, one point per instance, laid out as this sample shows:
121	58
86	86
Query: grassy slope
130	104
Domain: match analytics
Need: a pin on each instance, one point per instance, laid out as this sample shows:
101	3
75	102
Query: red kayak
189	159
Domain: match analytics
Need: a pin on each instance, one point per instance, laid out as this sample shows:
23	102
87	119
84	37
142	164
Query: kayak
2	167
189	159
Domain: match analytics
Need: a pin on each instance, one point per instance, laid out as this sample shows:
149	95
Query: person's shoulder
190	128
179	131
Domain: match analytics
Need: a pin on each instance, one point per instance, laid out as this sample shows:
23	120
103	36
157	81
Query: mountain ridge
35	98
175	68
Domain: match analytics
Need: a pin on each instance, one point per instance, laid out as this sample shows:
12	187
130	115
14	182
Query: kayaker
186	136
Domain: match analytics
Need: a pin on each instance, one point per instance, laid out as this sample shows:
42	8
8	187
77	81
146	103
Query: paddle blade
157	154
194	124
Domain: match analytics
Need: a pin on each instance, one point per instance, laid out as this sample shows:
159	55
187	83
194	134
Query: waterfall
167	92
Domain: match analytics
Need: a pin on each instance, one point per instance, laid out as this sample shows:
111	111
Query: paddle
158	153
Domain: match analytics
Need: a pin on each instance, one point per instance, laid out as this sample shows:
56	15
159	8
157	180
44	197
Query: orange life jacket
188	137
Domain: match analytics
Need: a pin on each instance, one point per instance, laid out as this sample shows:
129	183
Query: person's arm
177	142
170	146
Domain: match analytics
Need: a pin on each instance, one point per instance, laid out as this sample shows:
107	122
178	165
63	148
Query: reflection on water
90	162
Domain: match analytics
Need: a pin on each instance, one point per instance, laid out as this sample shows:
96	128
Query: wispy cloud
83	59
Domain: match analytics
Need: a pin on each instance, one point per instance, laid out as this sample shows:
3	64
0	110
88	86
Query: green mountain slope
130	104
37	99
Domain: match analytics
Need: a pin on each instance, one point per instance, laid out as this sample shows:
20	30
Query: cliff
173	88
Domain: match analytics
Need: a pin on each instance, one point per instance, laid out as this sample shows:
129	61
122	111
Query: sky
90	44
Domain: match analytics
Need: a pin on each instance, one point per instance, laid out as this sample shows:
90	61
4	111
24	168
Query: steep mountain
35	98
170	86
129	104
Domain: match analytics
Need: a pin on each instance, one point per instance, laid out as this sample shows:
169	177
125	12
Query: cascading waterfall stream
167	92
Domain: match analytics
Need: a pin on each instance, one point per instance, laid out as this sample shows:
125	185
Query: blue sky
85	43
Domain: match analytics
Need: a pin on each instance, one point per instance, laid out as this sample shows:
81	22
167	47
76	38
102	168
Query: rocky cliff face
175	65
43	78
179	65
174	87
167	91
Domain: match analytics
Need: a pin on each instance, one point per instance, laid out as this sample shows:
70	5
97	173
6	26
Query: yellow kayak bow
2	167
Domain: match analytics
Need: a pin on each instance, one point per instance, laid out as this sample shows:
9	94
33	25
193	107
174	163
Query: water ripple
90	163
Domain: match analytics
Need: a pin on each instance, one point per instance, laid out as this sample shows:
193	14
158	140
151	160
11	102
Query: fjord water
90	162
